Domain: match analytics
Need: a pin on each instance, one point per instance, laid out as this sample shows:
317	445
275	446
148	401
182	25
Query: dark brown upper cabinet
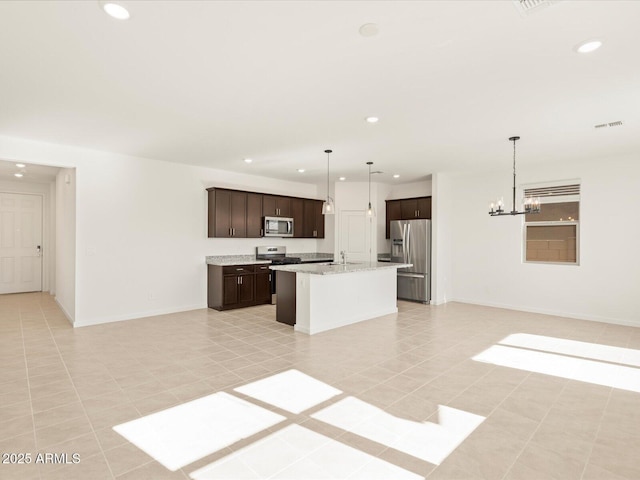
407	209
254	215
297	213
227	213
313	225
236	213
276	206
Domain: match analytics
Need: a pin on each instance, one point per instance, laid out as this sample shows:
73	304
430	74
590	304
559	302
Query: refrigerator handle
408	242
404	242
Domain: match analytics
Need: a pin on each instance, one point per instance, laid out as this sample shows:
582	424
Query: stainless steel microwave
278	227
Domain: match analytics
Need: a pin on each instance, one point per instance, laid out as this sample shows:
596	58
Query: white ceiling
211	82
30	173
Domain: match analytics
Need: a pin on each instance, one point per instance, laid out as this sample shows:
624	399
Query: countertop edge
315	269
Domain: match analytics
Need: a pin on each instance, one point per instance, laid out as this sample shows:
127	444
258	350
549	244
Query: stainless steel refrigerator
411	243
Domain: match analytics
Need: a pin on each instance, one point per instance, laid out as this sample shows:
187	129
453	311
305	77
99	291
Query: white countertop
322	269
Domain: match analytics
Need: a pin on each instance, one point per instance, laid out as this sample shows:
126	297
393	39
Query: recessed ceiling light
115	10
396	175
248	160
20	165
342	179
19	175
372	119
589	46
301	170
369	30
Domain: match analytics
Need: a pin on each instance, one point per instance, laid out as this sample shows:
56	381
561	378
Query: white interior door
355	236
20	243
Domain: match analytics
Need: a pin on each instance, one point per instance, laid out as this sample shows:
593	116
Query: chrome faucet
343	257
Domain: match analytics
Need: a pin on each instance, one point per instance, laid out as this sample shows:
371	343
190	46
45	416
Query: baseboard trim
64	310
149	313
555	313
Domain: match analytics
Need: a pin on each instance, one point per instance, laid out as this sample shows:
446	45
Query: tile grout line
535	430
77	394
26	367
595	438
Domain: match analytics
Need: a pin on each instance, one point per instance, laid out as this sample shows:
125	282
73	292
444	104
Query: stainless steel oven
278	227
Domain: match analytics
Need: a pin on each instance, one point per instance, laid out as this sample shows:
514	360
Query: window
552	236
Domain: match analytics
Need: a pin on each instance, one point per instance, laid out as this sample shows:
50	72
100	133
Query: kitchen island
320	297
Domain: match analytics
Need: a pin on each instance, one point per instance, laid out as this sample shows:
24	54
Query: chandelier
531	204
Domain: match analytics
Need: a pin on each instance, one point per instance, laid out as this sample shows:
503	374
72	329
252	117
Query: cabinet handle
239	269
238	280
269	277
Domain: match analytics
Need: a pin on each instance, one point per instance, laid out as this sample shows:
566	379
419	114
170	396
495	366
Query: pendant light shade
328	208
370	210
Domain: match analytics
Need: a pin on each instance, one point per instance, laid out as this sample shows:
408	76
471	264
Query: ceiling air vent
553	191
527	7
612	124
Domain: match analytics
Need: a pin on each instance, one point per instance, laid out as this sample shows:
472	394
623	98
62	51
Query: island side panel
286	297
331	301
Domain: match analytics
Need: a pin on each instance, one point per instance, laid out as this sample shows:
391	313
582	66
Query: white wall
442	216
487	265
140	230
410	190
65	242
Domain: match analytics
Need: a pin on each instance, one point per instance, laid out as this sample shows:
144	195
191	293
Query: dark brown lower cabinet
263	284
237	286
286	291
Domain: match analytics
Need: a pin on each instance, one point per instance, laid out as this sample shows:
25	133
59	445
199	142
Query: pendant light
370	211
328	208
531	204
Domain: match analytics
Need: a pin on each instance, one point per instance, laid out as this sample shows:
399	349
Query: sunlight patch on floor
298	453
591	371
428	441
593	351
183	434
292	391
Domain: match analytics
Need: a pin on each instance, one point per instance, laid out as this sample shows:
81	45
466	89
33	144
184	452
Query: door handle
410	275
38	251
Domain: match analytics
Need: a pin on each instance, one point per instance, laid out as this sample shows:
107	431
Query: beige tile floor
63	389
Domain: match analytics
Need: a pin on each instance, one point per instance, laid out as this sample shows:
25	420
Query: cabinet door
309	223
284	206
229	290
319	219
297	213
268	206
238	214
222	213
424	207
393	213
409	209
254	215
263	285
246	292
